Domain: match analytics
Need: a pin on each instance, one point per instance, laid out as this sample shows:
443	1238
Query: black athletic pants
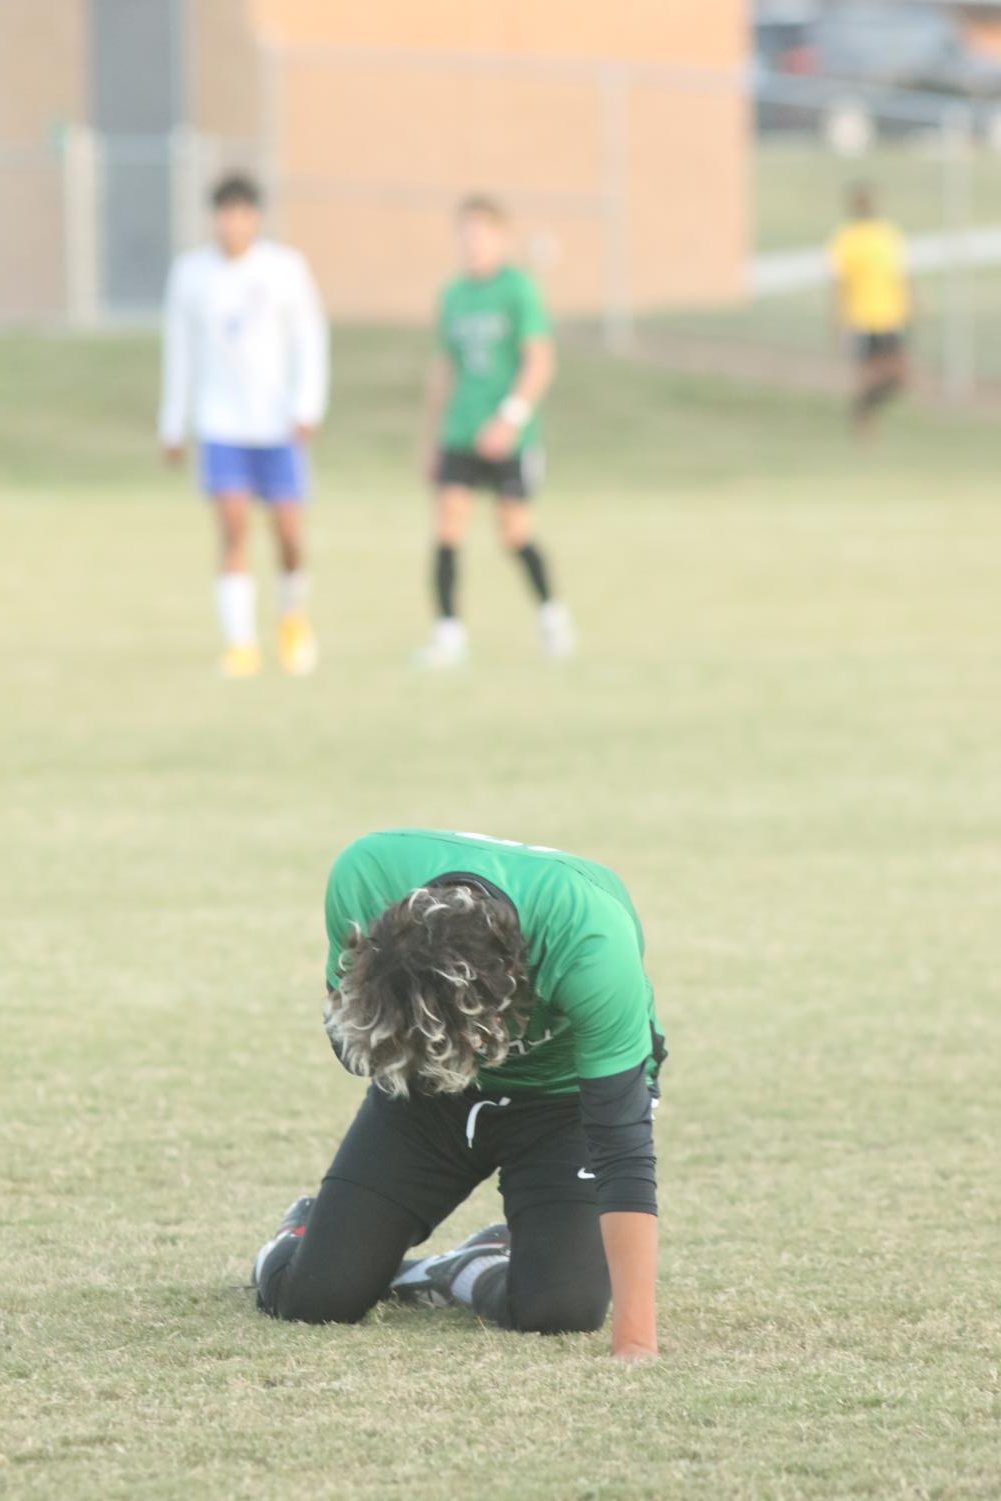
405	1165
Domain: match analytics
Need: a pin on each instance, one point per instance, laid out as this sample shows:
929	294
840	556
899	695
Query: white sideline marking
781	271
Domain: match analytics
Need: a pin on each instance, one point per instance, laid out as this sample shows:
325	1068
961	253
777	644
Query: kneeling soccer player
496	996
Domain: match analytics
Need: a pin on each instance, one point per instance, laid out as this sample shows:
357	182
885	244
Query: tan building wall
41	89
710	35
223	70
631	189
374	118
41	74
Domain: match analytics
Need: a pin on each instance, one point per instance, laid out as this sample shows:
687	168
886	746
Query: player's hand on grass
634	1354
497	439
173	453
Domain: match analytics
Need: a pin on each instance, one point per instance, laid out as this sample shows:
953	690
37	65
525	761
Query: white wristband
515	410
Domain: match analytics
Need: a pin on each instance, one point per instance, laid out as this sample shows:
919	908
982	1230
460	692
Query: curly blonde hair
435	990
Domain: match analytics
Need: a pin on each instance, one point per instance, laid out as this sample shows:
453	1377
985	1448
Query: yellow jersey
869	259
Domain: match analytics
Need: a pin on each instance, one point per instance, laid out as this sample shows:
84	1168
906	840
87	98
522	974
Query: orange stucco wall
389	111
710	34
374	118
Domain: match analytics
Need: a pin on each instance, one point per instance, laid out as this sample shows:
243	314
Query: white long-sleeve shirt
244	347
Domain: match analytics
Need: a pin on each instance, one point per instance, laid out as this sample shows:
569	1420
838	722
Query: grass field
783	730
800	186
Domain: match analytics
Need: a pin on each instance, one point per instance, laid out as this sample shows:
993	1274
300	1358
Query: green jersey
482	325
592	1014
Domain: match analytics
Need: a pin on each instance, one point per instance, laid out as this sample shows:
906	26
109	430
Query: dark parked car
865	52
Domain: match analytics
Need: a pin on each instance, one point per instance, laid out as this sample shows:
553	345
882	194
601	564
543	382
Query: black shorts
427	1153
514	478
875	346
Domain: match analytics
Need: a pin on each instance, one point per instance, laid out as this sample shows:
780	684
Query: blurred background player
245	361
495	364
873	302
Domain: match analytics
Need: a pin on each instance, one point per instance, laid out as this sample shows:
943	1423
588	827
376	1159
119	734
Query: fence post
958	366
186	187
271	131
81	190
618	311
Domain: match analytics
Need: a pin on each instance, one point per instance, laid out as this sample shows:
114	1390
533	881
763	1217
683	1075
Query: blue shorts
277	473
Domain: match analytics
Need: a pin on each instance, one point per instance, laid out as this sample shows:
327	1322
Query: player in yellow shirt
873	302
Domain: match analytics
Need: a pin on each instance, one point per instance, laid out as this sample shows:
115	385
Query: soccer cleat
293	1226
448	647
297	648
240	662
429	1279
559	639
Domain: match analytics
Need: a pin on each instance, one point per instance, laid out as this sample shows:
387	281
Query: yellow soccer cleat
240	662
297	648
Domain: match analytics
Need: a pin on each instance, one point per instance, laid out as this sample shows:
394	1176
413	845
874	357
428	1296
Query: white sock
449	628
236	601
466	1280
292	590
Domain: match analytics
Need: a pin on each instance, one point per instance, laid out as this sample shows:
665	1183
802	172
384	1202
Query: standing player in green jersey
495	994
494	364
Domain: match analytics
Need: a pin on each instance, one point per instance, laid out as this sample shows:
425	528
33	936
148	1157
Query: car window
880	40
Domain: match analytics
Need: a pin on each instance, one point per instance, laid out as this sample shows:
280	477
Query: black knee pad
303	1309
563	1310
282	1295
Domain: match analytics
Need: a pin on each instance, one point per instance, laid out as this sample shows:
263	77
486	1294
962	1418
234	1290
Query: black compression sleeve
617	1114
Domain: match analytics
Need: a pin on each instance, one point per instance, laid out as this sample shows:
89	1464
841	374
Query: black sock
874	396
535	567
445	570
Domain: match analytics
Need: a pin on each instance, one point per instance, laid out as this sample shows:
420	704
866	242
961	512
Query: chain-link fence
934	167
603	165
676	212
91	222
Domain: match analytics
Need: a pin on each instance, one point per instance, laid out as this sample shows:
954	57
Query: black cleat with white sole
293	1227
429	1280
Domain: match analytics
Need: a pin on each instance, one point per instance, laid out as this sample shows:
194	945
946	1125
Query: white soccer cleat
448	647
429	1279
559	640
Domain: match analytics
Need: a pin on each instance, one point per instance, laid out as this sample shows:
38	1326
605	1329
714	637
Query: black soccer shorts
513	478
872	346
427	1153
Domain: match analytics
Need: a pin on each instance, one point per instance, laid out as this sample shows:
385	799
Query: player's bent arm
310	344
535	376
837	305
175	391
617	1113
538	366
630	1242
437	391
537	370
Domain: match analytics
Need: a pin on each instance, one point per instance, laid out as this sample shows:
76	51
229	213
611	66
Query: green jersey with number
593	1012
482	324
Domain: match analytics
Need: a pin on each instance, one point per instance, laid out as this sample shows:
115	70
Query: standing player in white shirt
245	368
